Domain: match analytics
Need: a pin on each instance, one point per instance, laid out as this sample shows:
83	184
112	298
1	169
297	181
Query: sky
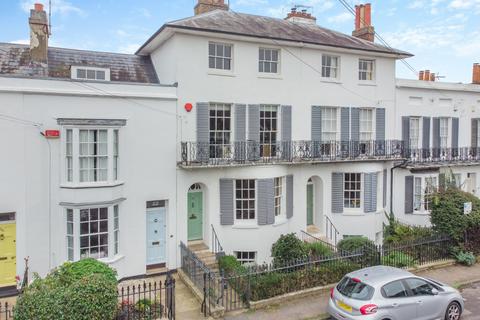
444	35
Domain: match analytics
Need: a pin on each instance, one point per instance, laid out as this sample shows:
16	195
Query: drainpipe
391	182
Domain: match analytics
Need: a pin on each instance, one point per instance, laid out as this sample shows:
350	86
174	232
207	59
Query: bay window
92	232
91	155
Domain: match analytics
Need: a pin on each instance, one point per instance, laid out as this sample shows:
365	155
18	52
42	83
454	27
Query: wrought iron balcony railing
250	152
442	155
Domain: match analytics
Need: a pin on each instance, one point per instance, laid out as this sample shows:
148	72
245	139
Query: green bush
398	259
466	258
230	265
288	248
397	233
447	213
318	249
354	243
70	272
67	296
267	285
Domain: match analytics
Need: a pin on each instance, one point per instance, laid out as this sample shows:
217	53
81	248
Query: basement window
90	73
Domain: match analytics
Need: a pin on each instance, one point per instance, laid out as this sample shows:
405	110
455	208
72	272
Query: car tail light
331	293
368	309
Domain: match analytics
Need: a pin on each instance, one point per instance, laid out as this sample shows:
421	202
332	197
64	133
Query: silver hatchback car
387	293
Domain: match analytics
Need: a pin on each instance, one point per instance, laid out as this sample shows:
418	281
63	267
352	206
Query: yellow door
8	265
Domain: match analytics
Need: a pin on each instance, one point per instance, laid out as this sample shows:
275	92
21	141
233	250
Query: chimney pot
38	7
363	23
476	73
203	6
421	75
302	16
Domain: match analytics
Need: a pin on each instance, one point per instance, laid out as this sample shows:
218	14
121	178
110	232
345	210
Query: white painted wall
297	85
434	99
147	165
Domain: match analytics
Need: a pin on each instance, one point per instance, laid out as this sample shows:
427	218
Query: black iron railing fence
236	290
252	152
216	245
145	301
331	231
463	154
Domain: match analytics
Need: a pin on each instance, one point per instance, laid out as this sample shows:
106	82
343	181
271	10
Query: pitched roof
229	22
15	60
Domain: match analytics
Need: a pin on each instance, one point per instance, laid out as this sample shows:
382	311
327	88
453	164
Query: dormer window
90	73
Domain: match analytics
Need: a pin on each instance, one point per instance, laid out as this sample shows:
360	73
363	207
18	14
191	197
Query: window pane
395	290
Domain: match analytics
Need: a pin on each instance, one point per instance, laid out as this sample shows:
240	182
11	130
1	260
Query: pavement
314	307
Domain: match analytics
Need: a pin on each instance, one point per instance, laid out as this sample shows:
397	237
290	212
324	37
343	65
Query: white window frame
414	145
367	125
113	233
367	72
359	207
423	185
279	196
75	148
268	147
221	148
75	69
330	68
245	257
215	56
444	128
262	63
250	201
330	120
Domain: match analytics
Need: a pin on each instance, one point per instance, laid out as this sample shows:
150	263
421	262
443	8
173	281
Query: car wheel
453	311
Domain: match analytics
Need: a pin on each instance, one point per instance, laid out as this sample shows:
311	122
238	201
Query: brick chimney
38	34
425	75
476	73
209	5
363	23
301	16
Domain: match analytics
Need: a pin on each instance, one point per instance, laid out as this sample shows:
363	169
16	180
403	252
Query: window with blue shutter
286	132
226	202
266	201
370	192
337	192
345	131
203	132
289	196
426	137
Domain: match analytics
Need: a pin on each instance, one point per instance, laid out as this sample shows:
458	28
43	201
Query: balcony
442	156
196	154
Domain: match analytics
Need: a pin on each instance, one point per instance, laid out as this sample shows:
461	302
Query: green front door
195	215
309	204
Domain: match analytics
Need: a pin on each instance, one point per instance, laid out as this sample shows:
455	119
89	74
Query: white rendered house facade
438	123
282	135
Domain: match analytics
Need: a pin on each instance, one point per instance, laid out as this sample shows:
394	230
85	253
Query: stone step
196	246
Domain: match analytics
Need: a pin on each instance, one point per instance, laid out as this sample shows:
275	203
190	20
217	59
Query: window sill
91	185
421	213
354	213
112	260
221	73
274	76
245	226
331	80
280	221
367	83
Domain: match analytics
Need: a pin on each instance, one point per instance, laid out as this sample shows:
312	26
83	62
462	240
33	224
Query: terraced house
224	131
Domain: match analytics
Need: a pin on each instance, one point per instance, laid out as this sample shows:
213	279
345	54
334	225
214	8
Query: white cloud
61	7
340	18
21	41
464	4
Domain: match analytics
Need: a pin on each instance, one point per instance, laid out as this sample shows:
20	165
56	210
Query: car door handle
395	305
419	301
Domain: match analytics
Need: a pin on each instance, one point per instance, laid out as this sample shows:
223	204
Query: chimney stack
38	34
209	5
301	16
363	23
476	73
425	75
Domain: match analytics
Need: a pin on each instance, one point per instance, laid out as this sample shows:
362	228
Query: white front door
156	239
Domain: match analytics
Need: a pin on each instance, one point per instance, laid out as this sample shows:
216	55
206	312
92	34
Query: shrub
447	212
70	295
230	265
70	272
354	243
398	233
466	258
318	249
288	248
398	259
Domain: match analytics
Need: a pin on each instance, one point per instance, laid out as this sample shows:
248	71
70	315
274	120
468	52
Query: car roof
379	275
